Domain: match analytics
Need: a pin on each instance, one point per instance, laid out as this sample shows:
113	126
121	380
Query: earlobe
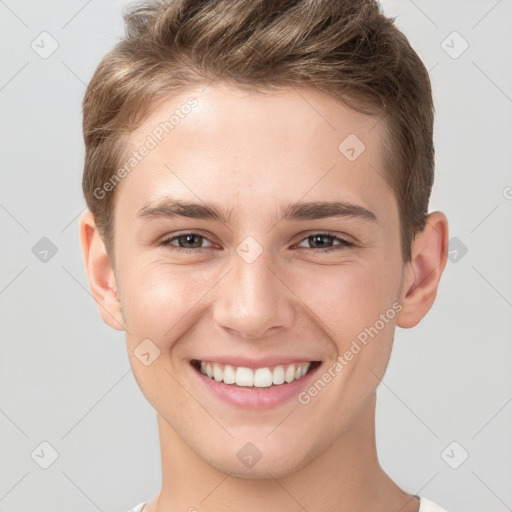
423	272
100	273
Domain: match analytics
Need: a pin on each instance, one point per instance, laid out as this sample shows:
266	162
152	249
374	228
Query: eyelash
343	243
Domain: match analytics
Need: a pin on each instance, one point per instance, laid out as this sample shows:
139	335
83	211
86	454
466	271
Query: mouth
255	378
245	384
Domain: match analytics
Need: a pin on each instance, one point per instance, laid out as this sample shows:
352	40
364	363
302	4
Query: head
249	109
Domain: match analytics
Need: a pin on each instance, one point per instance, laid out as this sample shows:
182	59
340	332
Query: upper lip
262	362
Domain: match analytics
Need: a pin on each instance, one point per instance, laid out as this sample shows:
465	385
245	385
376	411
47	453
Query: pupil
316	238
189	239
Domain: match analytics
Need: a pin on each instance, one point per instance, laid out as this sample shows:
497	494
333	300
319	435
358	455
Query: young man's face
258	289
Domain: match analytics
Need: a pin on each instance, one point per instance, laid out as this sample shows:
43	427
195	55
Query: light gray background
64	375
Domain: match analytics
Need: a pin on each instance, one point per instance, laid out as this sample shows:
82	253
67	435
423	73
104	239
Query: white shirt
429	506
425	506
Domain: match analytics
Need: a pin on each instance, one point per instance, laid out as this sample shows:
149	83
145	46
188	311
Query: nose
254	300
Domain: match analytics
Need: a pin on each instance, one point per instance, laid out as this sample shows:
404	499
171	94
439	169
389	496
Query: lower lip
255	398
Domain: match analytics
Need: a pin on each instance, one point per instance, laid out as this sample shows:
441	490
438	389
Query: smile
253	377
251	384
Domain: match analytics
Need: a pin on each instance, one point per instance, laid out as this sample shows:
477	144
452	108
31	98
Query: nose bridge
253	299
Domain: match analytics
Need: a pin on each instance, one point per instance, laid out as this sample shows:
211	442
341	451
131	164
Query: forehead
235	146
285	114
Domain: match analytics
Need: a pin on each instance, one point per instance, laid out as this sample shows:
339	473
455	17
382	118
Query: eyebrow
169	208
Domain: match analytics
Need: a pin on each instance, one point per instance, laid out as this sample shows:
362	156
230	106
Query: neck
345	477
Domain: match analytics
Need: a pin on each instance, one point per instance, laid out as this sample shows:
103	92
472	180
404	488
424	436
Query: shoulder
430	506
425	506
138	508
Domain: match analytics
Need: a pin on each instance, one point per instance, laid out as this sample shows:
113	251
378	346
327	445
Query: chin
260	471
268	460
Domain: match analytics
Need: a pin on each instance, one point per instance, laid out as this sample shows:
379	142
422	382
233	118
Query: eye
325	242
188	242
193	242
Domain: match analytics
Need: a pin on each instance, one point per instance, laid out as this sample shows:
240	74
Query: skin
254	153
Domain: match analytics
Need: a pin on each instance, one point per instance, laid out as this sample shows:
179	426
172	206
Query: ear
423	272
100	272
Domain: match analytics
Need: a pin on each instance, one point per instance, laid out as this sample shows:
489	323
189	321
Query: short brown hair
345	48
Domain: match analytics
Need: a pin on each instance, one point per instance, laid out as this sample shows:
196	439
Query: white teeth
244	377
218	374
262	378
229	375
259	378
289	375
278	375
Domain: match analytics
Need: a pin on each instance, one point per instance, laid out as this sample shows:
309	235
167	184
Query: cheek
355	305
161	304
346	299
160	301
